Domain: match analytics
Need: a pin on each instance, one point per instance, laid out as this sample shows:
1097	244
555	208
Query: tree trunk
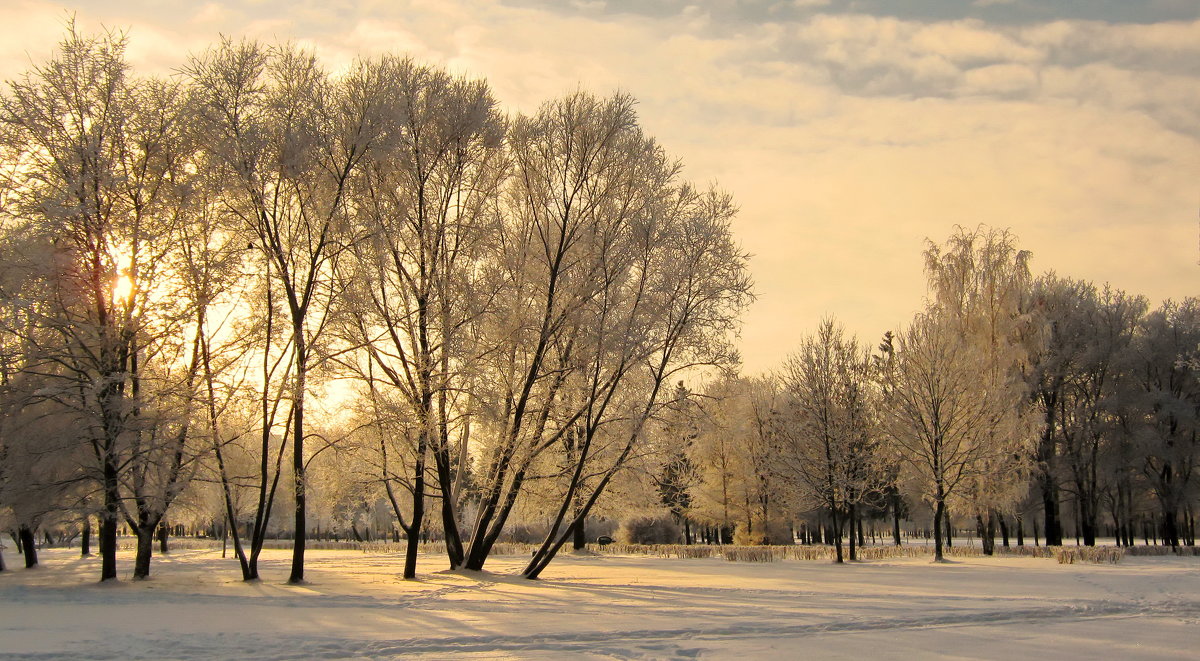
28	546
1047	479
579	535
162	539
837	534
1003	529
301	519
145	548
418	511
939	512
1020	531
981	530
1087	519
850	524
108	524
896	518
85	540
1079	518
1170	527
441	458
1190	522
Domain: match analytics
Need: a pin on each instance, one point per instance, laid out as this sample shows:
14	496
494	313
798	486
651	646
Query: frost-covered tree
287	140
424	203
741	490
1089	431
1058	339
936	416
669	306
610	277
1170	407
978	280
829	446
96	181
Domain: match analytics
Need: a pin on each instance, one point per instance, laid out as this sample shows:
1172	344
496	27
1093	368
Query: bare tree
288	140
978	280
937	417
573	173
1170	407
829	445
685	286
425	203
95	185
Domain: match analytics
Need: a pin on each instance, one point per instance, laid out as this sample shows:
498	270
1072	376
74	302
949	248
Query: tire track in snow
583	641
626	642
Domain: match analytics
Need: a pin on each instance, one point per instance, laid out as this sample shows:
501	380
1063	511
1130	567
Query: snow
606	607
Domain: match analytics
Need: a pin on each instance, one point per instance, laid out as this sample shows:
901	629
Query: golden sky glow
846	134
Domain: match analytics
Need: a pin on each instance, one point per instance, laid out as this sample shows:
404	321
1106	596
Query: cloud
846	138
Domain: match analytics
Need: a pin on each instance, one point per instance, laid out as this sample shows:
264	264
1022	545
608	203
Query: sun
122	289
122	283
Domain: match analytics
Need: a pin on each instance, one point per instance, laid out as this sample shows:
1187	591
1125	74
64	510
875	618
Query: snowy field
603	607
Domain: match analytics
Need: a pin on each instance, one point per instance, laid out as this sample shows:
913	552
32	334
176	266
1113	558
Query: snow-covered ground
356	606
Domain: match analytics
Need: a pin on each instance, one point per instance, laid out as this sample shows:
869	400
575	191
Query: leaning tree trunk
455	553
28	546
418	510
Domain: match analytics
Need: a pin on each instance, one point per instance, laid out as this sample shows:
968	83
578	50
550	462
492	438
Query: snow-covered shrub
696	551
1163	550
526	533
1071	555
649	530
751	553
809	552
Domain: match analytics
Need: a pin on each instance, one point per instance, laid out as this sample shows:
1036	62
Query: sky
850	132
